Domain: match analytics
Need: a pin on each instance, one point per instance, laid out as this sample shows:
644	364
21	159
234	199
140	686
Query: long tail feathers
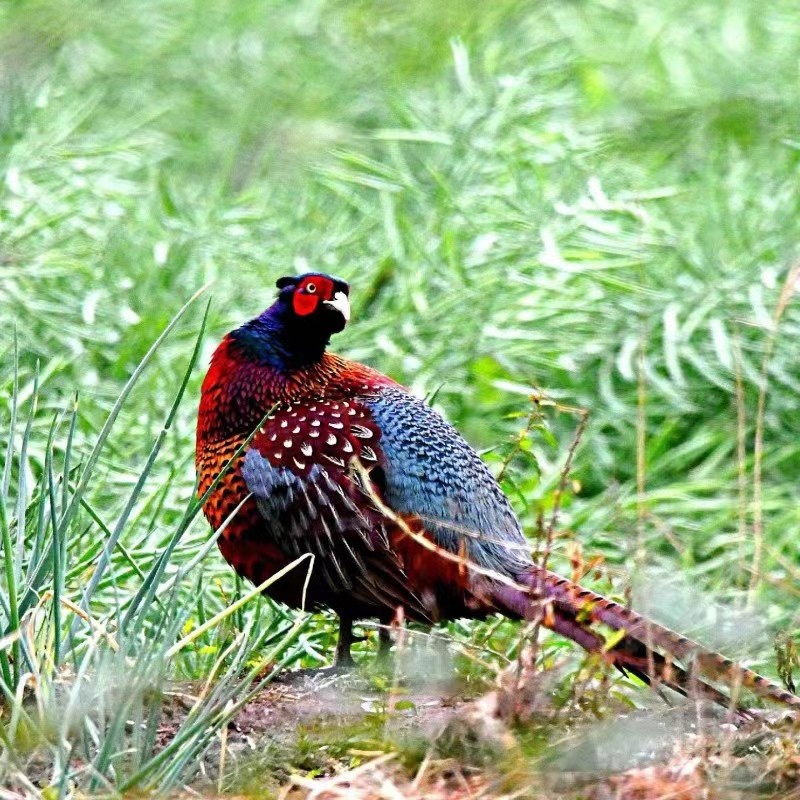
648	650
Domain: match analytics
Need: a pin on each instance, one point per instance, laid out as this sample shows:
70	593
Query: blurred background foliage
592	201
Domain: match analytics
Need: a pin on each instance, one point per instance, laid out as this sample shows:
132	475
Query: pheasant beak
341	304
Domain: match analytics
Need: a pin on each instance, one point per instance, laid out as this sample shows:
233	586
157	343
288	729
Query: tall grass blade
105	557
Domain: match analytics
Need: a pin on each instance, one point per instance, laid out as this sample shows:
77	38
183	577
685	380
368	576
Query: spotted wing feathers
303	469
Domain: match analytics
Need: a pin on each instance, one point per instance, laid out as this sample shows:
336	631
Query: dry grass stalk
789	288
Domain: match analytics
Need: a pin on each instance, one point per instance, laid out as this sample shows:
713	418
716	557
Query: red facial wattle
305	304
309	293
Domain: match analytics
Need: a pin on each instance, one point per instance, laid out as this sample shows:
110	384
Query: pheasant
300	451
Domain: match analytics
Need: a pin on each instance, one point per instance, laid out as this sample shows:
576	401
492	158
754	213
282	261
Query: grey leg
343	656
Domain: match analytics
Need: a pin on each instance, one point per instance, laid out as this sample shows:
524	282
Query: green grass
592	200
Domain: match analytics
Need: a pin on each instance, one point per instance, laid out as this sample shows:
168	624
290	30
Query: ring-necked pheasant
396	507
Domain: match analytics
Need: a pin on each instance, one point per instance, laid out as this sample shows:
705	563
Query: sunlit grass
580	199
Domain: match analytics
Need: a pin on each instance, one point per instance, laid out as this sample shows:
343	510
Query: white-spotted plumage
333	434
316	500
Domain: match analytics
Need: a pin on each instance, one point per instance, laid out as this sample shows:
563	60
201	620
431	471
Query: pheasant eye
311	288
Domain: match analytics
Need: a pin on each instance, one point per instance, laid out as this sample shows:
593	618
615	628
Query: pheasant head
295	330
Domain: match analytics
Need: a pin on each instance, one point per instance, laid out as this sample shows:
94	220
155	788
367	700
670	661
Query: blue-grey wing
431	471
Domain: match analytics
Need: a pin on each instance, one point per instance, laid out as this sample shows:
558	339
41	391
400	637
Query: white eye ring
311	288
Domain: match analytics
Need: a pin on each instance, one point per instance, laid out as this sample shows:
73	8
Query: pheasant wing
429	471
299	469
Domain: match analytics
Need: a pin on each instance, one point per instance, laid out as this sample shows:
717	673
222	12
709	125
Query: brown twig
583	415
741	447
790	286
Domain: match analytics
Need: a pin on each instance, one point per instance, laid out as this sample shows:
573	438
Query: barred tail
648	650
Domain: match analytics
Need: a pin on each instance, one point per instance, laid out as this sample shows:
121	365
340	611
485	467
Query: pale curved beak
341	304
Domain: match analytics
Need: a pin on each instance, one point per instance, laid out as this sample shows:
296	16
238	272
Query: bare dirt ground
323	734
320	722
